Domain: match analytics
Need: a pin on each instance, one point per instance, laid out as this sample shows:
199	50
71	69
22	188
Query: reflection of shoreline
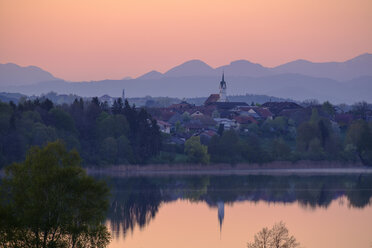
192	170
136	200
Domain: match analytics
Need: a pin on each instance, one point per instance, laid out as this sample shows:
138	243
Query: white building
223	97
227	123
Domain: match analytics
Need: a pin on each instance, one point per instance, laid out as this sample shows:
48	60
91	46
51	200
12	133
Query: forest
102	135
123	134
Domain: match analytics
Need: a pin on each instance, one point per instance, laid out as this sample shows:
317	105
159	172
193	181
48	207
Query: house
196	113
258	113
247	111
264	113
228	105
245	120
277	107
195	127
206	136
163	114
165	127
227	123
199	123
108	99
212	99
181	107
174	140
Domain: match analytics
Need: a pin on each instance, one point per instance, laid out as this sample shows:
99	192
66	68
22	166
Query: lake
226	211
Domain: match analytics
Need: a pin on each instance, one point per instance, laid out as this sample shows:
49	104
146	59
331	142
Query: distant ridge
151	75
191	68
342	71
244	68
12	75
338	82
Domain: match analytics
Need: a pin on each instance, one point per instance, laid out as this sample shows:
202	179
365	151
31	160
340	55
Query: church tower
223	97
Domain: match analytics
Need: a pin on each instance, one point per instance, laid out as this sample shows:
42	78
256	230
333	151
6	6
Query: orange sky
98	39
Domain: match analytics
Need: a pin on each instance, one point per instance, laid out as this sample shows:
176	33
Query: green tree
328	108
109	149
49	201
195	151
359	135
62	120
280	150
225	149
125	153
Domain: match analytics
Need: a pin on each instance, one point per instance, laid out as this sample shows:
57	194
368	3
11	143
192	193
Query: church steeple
223	87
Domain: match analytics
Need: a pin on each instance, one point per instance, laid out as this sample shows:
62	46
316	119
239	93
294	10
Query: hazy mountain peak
365	57
243	62
12	74
190	68
244	68
342	71
151	75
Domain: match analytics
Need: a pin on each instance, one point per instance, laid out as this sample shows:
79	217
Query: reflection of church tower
221	213
223	97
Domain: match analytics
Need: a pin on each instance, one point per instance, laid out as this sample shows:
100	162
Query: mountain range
339	82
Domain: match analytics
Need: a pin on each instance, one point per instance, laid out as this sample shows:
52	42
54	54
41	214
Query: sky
83	40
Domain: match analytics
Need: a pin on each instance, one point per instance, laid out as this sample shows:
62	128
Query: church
222	97
220	100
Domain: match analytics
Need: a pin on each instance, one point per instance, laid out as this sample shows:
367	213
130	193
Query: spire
223	76
221	214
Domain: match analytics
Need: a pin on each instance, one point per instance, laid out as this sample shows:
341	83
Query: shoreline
275	168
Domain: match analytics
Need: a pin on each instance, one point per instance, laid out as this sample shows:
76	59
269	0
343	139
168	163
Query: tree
117	106
328	108
195	151
280	150
359	135
62	120
310	103
276	237
261	239
220	130
360	109
49	201
225	149
125	153
109	149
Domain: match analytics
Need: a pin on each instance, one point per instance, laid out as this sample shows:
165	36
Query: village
183	120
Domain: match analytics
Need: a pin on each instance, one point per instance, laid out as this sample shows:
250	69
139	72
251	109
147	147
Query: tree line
101	134
124	134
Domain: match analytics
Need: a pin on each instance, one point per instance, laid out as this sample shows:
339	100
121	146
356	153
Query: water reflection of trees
136	200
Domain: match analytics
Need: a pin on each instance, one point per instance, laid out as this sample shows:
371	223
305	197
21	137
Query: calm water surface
226	211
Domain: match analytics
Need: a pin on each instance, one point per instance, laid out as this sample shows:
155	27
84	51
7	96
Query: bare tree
276	237
261	239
